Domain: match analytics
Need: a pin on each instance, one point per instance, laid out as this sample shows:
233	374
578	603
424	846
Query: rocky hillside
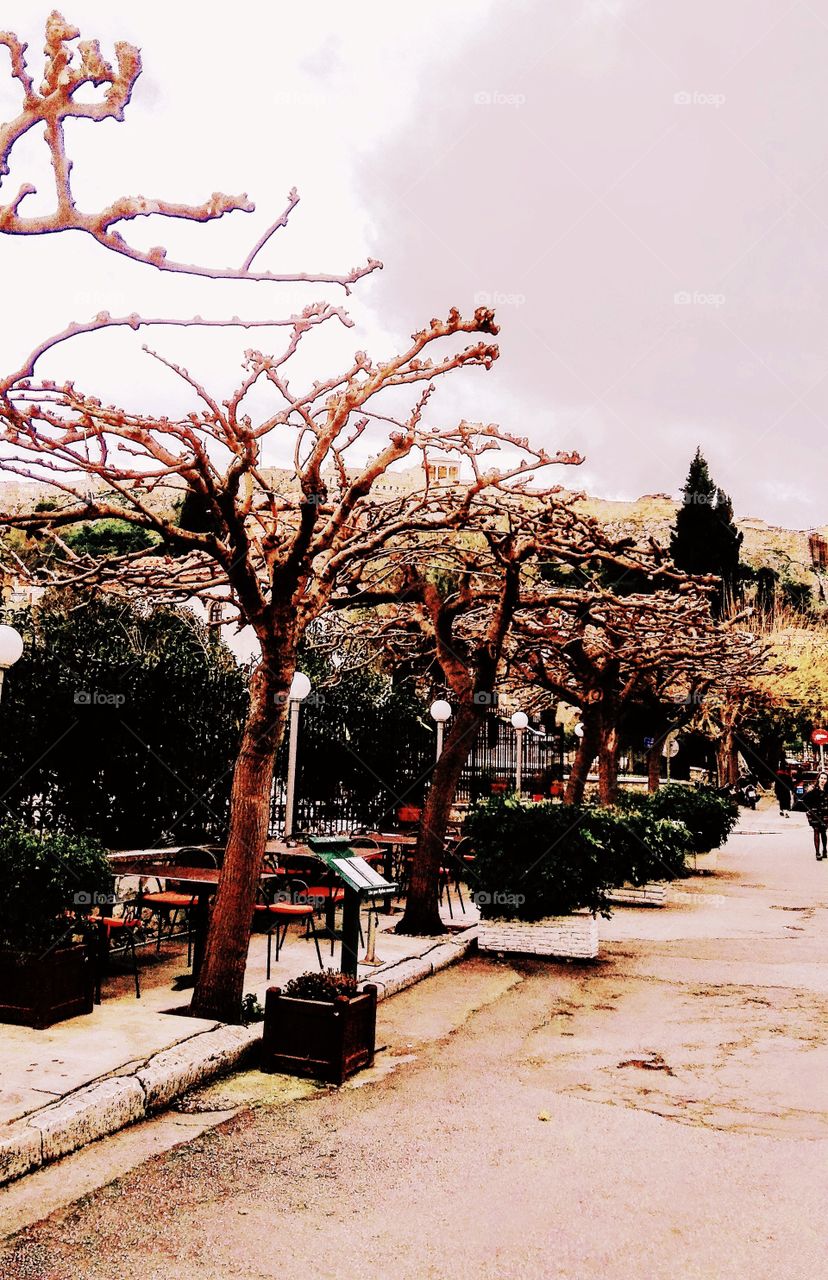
784	550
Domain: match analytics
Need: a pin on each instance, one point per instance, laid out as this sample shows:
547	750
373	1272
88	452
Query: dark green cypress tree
705	539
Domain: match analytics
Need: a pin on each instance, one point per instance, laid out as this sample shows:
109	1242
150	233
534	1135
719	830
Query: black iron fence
343	785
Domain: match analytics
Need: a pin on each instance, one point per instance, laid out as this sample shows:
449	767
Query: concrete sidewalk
660	1113
89	1076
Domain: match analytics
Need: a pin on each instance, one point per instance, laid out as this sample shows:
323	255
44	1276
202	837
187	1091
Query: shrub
638	846
535	861
325	984
708	817
251	1009
43	876
545	859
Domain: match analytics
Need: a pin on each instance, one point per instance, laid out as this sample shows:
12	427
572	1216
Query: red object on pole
819	737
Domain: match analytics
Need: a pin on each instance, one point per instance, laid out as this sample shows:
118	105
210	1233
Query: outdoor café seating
170	903
291	902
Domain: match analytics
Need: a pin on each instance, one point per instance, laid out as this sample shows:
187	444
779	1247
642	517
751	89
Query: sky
639	189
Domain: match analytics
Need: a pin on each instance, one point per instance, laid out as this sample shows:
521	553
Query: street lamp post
11	648
300	687
520	722
440	713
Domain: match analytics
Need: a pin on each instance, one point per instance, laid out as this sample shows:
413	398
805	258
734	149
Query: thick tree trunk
422	909
220	984
727	759
654	765
608	748
584	756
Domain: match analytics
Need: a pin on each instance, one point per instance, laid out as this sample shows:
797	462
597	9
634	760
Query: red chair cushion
285	908
325	891
168	899
117	922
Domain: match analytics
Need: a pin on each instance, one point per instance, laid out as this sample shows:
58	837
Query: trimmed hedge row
547	859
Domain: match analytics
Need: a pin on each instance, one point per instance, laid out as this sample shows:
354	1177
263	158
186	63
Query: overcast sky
641	189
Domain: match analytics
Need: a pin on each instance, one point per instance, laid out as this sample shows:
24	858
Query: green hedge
43	876
708	817
548	859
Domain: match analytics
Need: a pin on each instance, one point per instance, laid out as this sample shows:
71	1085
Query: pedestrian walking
782	787
816	808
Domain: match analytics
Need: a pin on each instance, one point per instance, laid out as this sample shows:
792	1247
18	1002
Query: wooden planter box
703	862
573	937
327	1040
652	894
38	990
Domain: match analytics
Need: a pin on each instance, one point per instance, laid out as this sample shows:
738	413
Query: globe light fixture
520	723
300	687
11	650
440	712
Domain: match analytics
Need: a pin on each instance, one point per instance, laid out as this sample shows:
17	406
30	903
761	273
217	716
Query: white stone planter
653	894
703	861
573	937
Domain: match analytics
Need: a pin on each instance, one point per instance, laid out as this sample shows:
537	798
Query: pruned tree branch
68	69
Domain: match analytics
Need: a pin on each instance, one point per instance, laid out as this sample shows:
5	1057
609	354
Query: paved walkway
662	1113
39	1068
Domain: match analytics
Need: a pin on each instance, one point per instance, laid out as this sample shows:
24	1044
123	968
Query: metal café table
202	881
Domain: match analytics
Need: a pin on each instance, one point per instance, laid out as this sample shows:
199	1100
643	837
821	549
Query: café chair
277	914
172	902
123	928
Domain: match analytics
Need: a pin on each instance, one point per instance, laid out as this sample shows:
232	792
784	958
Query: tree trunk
220	984
608	758
727	759
422	908
584	756
654	765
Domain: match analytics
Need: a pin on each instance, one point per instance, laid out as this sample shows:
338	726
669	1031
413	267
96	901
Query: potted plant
320	1025
541	879
48	885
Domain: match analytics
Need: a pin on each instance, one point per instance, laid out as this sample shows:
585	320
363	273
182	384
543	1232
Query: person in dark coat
816	808
782	787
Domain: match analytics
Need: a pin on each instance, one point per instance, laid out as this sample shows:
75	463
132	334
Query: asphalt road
662	1114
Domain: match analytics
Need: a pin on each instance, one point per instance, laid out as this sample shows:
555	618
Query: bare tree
455	605
272	546
602	651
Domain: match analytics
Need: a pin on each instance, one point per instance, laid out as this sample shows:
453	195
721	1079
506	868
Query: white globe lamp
440	712
300	687
11	650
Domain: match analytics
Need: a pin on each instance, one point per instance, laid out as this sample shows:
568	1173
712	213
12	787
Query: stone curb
405	973
105	1106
